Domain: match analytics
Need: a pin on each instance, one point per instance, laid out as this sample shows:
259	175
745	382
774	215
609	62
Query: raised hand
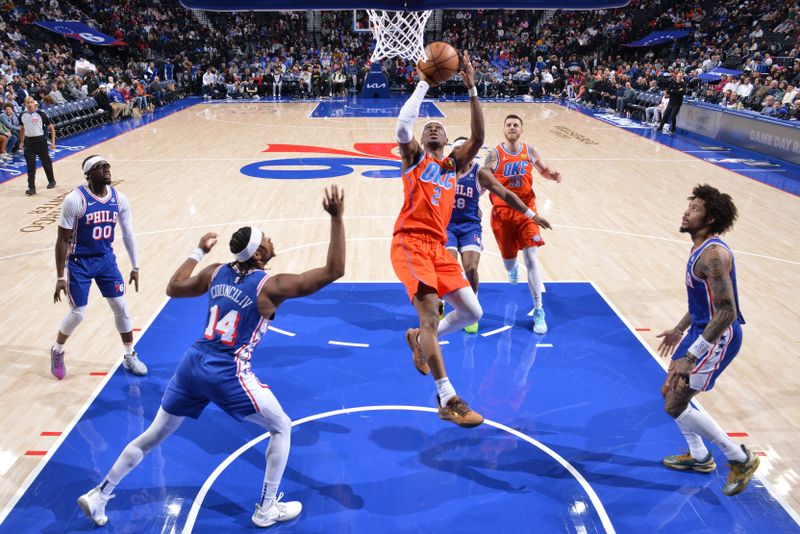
468	71
207	242
333	202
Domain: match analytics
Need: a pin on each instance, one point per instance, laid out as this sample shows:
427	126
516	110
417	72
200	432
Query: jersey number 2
226	326
436	194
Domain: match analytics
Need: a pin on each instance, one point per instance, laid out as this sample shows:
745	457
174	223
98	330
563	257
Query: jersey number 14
226	326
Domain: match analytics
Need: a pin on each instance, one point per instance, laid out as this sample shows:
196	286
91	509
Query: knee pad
72	320
122	317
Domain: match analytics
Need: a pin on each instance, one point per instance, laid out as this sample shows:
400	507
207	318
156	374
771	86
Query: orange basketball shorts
419	258
514	232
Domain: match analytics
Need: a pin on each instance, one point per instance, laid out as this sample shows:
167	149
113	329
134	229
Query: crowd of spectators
577	55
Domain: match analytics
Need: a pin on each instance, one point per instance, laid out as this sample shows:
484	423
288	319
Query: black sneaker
30	192
51	185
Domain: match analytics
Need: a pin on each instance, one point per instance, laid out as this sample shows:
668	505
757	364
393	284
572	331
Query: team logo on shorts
537	238
477	238
119	287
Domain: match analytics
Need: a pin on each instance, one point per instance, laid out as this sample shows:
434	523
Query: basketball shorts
420	258
722	353
206	376
465	237
81	270
514	231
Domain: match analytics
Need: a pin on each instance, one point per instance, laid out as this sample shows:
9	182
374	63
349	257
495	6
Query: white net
398	33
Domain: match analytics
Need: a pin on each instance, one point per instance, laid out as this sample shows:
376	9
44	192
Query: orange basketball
442	62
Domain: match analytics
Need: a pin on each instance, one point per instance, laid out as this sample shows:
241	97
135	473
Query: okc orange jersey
429	187
515	172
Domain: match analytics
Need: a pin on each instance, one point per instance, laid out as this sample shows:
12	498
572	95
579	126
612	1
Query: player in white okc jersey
242	300
713	341
86	226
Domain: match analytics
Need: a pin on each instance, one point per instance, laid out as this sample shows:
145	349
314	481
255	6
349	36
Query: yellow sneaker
741	473
471	329
441	310
685	462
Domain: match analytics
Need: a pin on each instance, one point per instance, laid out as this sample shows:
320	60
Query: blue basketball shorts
722	353
464	237
81	270
205	376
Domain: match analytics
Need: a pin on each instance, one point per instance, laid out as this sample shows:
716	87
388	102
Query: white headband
252	246
91	162
435	122
458	142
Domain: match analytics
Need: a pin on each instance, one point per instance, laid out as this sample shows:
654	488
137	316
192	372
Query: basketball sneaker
57	367
132	363
457	411
276	512
416	351
441	310
93	505
539	324
741	473
513	275
471	329
685	462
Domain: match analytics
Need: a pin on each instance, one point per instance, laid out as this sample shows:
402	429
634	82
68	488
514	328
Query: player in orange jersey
418	255
512	163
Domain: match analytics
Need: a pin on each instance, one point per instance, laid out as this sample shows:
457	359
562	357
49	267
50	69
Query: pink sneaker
57	367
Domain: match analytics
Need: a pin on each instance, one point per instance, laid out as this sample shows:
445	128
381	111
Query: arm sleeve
409	112
126	225
71	209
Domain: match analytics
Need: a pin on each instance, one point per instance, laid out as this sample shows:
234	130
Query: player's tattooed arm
714	265
491	161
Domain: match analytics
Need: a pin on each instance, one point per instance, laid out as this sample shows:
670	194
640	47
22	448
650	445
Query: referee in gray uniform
33	143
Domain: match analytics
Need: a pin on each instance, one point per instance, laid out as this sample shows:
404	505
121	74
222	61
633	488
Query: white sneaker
277	511
132	363
93	505
539	324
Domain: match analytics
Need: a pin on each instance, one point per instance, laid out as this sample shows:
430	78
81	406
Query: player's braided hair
238	243
720	209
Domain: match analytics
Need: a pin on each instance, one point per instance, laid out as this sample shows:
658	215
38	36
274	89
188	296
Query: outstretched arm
409	147
182	283
490	183
546	170
467	152
285	286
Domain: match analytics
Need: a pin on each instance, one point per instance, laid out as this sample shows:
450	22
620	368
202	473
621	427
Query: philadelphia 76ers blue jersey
93	231
468	193
701	302
234	325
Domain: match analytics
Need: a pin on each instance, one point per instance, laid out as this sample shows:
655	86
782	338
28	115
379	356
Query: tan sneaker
458	412
416	351
741	473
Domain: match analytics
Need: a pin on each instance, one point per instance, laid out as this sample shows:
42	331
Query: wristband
530	214
425	85
197	254
700	347
62	279
472	91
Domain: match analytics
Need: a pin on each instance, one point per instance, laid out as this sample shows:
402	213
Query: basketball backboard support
394	5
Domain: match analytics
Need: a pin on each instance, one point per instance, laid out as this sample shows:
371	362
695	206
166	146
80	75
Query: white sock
697	448
700	423
107	487
445	390
128	347
58	347
269	492
510	265
534	278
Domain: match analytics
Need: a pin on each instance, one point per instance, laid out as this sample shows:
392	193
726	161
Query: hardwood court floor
616	217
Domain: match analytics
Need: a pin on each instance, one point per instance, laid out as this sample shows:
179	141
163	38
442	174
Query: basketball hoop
398	33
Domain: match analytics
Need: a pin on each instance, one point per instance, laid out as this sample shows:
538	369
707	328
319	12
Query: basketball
442	62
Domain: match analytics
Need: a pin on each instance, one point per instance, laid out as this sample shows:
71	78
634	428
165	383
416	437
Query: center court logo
379	159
